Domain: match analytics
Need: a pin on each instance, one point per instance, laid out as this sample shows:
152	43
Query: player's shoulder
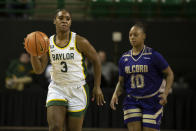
148	50
152	52
126	54
81	39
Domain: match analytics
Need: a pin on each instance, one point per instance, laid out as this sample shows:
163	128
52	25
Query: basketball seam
36	44
41	48
44	41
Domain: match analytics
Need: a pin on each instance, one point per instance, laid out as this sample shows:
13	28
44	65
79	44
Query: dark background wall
175	40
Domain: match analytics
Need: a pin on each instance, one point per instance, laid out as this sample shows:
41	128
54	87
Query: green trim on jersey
77	114
57	103
83	60
84	66
86	87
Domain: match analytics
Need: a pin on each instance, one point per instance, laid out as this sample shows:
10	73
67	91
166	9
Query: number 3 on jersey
64	66
137	81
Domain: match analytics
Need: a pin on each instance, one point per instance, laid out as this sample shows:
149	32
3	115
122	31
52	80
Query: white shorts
74	98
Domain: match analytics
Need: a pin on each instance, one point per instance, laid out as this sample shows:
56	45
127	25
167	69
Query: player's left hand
97	93
163	100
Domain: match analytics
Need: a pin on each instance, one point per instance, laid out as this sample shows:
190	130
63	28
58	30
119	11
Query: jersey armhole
75	42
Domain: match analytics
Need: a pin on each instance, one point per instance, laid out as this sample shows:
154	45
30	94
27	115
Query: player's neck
63	35
137	49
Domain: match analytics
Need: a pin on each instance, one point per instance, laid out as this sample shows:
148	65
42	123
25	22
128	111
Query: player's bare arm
118	91
169	81
88	50
39	63
119	87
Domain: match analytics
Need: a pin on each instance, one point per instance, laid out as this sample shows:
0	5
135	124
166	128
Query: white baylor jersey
68	67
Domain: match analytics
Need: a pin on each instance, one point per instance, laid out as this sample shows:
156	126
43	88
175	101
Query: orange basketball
37	43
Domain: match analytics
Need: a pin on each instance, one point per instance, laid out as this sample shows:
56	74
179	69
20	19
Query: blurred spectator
18	73
109	70
180	82
20	8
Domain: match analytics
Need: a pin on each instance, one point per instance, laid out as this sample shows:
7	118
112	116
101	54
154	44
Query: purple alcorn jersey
142	73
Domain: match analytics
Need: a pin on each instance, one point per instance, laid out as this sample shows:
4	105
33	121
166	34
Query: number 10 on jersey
137	81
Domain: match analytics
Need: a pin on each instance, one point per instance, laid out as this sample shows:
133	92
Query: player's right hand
97	93
163	100
114	101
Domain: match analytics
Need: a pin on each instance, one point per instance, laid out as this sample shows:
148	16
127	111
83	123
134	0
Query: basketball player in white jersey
67	98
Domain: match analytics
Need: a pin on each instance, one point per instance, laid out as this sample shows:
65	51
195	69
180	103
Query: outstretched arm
88	50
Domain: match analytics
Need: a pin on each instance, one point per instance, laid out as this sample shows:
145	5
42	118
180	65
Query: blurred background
171	27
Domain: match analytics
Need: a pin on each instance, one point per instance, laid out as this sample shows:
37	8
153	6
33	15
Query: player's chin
133	43
64	29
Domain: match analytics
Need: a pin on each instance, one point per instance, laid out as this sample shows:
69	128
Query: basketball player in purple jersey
141	73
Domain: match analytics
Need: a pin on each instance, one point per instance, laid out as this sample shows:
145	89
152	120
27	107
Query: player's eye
135	34
68	18
60	18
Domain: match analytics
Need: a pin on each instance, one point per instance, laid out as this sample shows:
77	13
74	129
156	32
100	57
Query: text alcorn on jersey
142	73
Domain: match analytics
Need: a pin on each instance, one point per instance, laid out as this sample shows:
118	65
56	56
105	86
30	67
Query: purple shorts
147	110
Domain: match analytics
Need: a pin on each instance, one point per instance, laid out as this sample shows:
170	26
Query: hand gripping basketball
37	43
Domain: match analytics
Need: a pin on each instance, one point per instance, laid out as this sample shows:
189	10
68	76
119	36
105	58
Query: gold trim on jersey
132	115
126	55
137	110
49	50
147	53
81	59
66	45
149	121
76	46
153	116
77	110
140	54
